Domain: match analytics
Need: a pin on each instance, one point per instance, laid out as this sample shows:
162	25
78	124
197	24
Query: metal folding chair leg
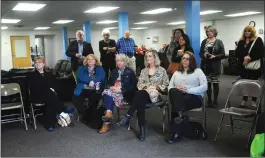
33	116
232	124
219	127
25	121
251	131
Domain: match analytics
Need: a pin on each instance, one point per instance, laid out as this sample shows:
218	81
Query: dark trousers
79	102
141	98
183	101
250	77
53	107
108	67
215	91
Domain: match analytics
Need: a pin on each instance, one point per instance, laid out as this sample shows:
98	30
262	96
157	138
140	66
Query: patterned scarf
120	71
91	72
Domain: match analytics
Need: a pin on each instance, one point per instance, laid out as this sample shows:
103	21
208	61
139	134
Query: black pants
141	98
215	91
183	101
250	77
108	67
53	107
79	101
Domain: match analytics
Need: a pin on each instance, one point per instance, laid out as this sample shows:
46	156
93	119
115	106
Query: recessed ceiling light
41	28
28	7
139	28
62	21
242	14
176	23
157	11
145	22
106	22
210	12
10	21
111	28
4	27
101	9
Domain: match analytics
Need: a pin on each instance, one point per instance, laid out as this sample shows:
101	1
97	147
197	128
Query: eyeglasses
183	58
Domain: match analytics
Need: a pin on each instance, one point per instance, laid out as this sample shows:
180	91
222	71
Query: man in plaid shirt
126	45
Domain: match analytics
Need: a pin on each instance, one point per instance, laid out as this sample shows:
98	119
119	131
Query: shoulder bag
253	65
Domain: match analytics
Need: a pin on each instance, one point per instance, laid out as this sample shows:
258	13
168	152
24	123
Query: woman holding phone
212	52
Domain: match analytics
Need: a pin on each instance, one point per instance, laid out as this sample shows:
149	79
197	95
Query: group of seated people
186	89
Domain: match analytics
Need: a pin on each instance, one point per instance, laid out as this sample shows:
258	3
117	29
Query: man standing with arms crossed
78	50
126	45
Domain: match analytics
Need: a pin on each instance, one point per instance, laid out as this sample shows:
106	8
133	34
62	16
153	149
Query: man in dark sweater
78	50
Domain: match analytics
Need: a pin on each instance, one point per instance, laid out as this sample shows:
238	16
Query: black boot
124	121
215	93
209	95
142	133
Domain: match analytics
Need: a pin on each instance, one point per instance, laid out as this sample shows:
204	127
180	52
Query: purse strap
251	46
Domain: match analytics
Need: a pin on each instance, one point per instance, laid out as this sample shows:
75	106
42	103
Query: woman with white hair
107	49
152	81
212	52
122	84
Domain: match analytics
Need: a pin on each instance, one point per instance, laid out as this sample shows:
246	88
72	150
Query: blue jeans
108	101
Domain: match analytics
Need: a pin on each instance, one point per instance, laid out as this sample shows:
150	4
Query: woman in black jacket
42	89
212	52
246	55
122	84
183	46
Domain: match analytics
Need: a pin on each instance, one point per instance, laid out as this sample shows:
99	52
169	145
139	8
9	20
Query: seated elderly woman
122	84
42	89
90	82
152	81
186	89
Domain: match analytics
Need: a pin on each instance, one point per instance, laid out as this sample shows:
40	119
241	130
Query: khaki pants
132	64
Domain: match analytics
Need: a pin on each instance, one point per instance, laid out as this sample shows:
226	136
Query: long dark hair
192	63
180	30
187	41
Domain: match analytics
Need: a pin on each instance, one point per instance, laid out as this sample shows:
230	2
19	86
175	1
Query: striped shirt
126	46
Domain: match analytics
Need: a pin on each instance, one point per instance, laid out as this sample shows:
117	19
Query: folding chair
9	90
251	88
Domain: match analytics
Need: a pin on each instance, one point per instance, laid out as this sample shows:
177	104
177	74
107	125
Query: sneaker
50	129
254	104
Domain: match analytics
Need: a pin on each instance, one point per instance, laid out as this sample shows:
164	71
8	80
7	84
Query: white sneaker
254	104
243	103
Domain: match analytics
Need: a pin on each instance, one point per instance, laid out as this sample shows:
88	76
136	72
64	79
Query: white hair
79	31
105	31
122	57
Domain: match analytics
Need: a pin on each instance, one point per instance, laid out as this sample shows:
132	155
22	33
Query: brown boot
107	117
105	128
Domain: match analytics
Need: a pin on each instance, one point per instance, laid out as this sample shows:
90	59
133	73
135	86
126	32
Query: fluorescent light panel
139	28
157	11
106	22
10	21
145	22
210	12
101	9
111	28
242	14
176	23
62	21
28	7
41	28
4	27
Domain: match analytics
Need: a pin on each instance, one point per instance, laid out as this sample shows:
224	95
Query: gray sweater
196	82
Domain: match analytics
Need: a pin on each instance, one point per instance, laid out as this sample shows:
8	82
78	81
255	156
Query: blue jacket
82	76
128	82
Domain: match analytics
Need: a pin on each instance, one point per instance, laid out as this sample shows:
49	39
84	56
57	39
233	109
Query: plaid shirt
126	46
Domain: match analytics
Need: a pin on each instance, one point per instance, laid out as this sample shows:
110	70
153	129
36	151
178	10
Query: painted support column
64	42
192	20
123	23
87	31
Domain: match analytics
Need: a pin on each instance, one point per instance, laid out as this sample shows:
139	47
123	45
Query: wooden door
20	48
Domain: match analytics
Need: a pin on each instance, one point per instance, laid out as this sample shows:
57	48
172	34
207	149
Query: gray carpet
119	142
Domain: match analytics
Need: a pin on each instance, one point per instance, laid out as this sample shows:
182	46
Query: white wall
230	30
49	47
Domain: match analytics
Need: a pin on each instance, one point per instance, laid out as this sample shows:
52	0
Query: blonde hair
253	33
98	63
122	57
41	59
154	53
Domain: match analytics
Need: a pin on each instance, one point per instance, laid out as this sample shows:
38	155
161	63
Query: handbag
253	65
172	67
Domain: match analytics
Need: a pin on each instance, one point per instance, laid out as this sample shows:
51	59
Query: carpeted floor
81	140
